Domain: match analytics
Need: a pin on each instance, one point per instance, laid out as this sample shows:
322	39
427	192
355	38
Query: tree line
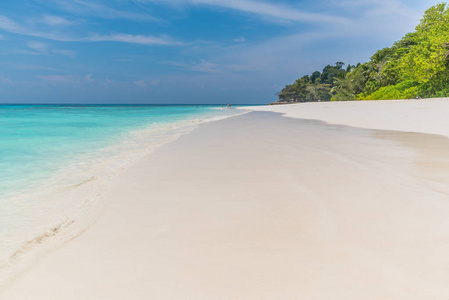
415	66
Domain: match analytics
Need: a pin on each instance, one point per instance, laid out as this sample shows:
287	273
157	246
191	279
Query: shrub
404	90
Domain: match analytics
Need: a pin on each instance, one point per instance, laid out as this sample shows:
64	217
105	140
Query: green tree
315	75
428	56
350	86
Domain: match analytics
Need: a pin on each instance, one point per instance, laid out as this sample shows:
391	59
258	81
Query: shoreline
82	195
238	208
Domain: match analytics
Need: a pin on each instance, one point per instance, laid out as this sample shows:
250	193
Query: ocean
48	151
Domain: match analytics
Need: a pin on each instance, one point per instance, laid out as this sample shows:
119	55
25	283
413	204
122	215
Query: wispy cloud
373	8
95	9
273	10
240	40
11	26
207	67
147	83
278	53
34	67
344	15
8	25
203	66
140	83
59	78
134	39
34	48
68	79
389	19
38	46
56	21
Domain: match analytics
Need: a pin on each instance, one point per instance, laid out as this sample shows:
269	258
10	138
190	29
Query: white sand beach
424	115
265	206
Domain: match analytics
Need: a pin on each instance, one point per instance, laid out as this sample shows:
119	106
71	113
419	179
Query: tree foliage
316	87
415	66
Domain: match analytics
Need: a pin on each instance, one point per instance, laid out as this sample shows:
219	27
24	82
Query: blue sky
185	51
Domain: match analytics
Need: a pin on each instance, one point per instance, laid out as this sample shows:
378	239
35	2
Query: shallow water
46	149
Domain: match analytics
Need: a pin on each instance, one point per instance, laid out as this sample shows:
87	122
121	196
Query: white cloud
90	8
207	67
203	66
55	20
351	17
38	46
274	10
27	52
9	25
388	20
34	67
69	79
277	12
140	83
143	83
278	53
134	39
59	78
240	40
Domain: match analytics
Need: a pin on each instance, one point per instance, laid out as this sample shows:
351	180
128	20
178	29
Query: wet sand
261	206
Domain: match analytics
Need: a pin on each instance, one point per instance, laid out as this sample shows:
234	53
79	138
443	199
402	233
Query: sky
185	51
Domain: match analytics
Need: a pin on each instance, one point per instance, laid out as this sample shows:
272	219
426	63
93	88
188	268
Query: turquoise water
36	140
43	146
